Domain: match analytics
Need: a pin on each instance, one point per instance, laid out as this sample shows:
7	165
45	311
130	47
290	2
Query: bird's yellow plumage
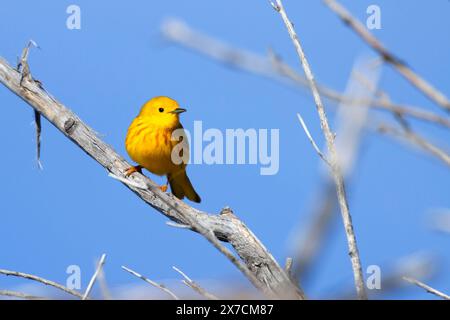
149	143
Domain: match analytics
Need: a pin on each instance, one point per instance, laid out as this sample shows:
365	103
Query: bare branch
94	277
153	283
257	264
427	288
416	80
177	225
24	68
195	286
273	68
41	280
37	121
416	140
21	295
335	168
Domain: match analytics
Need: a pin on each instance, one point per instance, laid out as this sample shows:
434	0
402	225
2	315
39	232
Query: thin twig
94	277
310	138
21	295
416	140
427	288
195	286
416	80
178	225
37	121
129	182
41	280
24	68
335	168
153	283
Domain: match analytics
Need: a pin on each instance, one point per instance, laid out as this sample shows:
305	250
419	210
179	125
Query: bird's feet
138	168
132	170
164	187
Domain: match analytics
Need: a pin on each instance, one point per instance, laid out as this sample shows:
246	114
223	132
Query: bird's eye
161	109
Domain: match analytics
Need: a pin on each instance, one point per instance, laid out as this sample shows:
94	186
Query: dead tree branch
257	264
273	68
427	288
41	280
20	295
195	286
416	80
416	140
94	277
333	157
153	283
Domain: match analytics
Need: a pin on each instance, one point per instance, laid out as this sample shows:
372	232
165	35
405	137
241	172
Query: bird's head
162	110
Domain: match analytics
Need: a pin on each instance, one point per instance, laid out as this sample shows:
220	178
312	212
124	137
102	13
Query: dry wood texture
257	264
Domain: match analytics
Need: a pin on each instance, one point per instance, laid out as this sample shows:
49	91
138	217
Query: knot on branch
226	211
69	126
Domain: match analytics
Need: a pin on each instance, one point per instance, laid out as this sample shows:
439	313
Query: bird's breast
151	147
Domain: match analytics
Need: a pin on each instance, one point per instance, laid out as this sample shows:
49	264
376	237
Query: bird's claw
163	188
132	170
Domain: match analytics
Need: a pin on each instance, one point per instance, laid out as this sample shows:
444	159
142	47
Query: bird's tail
182	187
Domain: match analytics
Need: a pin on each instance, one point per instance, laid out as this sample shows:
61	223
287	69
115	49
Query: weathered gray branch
427	288
20	295
336	171
94	276
416	140
195	286
417	81
257	264
153	283
273	68
41	280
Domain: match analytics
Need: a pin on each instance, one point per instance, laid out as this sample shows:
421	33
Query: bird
149	143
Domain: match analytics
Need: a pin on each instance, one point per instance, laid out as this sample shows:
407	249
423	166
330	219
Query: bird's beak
178	110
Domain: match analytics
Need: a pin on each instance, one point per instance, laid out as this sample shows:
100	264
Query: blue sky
71	212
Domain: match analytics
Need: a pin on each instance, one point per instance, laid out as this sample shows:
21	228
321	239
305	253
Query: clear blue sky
71	212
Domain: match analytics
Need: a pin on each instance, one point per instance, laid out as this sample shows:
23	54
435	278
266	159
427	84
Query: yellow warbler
149	143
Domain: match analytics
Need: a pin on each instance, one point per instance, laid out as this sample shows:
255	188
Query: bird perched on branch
149	142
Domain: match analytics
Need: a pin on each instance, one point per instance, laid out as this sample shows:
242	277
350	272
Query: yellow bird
149	143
